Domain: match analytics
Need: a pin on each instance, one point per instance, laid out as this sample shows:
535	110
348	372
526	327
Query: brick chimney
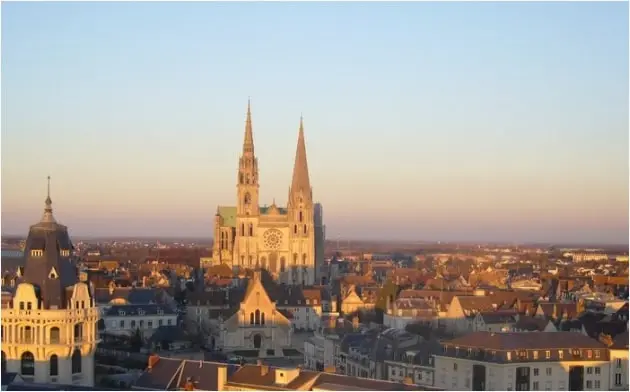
222	377
153	360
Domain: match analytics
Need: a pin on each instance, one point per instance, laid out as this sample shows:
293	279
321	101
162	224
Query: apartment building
558	361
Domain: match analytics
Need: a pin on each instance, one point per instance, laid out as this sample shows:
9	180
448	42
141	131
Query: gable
256	297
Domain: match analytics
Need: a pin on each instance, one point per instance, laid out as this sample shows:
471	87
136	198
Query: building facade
49	329
278	239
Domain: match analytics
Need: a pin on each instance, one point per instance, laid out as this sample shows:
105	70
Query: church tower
247	210
49	331
301	218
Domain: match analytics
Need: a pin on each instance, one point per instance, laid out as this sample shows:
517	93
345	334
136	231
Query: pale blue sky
424	121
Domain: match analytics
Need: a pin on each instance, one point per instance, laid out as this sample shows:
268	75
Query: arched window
301	217
295	258
283	264
240	178
251	318
248	198
304	229
251	230
257	317
54	335
304	259
294	229
27	365
54	365
242	229
78	332
262	318
76	361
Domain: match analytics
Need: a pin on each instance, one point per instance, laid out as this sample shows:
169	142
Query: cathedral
49	330
281	240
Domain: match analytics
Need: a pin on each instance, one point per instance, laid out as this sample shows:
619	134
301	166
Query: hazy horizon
497	122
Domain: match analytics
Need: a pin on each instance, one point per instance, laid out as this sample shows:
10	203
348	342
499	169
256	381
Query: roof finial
48	215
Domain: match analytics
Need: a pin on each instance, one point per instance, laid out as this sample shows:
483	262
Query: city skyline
422	121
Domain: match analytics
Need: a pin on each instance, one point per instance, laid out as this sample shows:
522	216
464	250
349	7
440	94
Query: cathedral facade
49	330
279	239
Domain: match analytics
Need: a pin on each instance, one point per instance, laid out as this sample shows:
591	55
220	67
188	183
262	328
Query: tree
136	342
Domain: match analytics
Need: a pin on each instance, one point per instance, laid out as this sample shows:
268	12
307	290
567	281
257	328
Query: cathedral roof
45	266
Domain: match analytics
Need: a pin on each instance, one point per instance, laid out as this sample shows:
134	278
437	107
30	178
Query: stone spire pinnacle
248	142
48	212
301	180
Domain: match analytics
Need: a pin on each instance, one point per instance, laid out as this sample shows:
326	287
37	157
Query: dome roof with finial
48	260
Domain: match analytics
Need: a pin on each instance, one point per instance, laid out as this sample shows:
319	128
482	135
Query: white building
558	361
619	362
49	329
405	311
126	319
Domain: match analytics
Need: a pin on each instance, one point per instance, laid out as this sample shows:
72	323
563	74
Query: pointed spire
48	212
248	143
300	167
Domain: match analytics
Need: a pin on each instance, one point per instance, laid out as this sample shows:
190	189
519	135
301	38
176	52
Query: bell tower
247	191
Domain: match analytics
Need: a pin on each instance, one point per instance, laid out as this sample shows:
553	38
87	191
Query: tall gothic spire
48	212
300	167
248	142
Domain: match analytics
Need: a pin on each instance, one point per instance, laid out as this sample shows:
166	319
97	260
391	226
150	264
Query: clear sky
423	121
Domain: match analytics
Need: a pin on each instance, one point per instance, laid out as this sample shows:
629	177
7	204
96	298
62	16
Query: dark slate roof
133	295
134	310
620	342
526	341
50	237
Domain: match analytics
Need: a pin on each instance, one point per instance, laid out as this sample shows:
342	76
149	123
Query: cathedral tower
301	217
49	331
247	208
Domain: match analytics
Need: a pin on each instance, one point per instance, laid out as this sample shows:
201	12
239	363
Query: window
597	354
535	387
160	322
29	306
618	363
133	323
509	356
141	323
54	365
28	335
54	336
150	324
122	323
589	384
589	354
27	364
598	370
589	370
76	361
548	371
547	354
169	322
560	354
597	384
455	367
535	354
535	372
617	379
251	318
21	305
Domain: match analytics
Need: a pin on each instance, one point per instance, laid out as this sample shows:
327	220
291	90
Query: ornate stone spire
301	180
48	212
248	142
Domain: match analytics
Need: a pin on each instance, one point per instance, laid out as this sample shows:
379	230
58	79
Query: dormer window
160	312
65	253
121	313
140	312
308	302
53	274
37	252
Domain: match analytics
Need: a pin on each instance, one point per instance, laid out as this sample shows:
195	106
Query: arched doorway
257	341
27	365
76	361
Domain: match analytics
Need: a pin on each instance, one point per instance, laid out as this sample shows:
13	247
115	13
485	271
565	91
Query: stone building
278	239
49	327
